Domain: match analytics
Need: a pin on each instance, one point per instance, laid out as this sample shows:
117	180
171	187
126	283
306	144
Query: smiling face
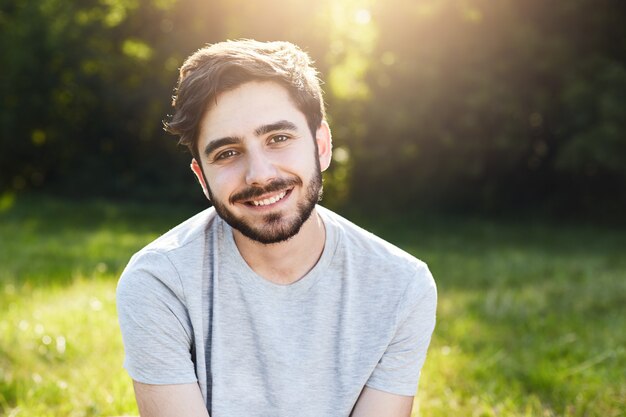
262	167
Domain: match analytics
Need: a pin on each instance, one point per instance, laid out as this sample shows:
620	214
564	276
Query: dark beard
272	230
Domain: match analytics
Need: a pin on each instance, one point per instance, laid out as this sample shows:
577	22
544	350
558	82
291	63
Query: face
262	166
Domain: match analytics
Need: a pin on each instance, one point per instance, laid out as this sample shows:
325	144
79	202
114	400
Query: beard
274	227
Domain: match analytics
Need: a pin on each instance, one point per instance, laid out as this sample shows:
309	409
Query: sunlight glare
362	16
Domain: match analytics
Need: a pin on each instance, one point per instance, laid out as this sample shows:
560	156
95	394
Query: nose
260	169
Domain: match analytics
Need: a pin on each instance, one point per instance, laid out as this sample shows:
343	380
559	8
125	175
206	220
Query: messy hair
224	66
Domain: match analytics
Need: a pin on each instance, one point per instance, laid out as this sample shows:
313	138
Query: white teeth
270	200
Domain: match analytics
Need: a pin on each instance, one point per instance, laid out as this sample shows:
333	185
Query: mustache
251	193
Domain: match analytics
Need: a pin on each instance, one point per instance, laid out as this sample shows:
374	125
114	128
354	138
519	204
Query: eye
279	139
226	155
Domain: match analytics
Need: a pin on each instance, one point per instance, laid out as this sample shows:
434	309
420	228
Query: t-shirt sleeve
155	324
398	370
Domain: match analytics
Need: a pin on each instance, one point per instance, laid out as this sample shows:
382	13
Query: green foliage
84	93
484	105
445	103
530	318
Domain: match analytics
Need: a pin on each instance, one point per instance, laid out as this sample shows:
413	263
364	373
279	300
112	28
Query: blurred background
481	105
486	137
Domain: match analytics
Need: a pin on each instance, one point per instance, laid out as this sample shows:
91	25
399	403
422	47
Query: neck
285	262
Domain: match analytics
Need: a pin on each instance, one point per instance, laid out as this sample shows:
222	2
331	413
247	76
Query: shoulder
183	235
163	261
379	262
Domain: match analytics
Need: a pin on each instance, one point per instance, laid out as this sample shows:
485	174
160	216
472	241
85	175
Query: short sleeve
155	324
398	370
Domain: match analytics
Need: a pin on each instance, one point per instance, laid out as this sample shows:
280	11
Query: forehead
240	111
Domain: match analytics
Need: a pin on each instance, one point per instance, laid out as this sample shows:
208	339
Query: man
268	304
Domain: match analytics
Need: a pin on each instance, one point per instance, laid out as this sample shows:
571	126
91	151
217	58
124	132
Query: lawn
531	317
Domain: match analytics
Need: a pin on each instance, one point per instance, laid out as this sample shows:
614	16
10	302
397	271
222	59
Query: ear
197	170
324	145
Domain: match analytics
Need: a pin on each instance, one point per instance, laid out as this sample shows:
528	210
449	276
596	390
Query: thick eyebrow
259	131
218	143
272	127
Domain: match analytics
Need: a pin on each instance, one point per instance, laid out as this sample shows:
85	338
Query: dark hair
224	66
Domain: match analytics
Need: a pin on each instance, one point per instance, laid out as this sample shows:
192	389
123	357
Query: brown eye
279	138
225	155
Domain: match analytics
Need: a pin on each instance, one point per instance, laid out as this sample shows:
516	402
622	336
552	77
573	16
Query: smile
268	201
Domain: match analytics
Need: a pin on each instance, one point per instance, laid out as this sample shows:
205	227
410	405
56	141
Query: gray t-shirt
191	309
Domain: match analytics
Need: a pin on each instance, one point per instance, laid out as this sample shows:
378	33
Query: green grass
530	320
60	348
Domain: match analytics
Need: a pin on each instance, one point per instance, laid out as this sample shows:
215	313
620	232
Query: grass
530	319
60	348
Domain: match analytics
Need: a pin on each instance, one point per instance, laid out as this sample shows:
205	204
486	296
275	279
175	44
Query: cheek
223	181
302	157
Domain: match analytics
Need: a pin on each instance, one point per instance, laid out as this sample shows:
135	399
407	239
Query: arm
169	400
374	403
390	389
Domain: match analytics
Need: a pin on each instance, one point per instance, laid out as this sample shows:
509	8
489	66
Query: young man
268	304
